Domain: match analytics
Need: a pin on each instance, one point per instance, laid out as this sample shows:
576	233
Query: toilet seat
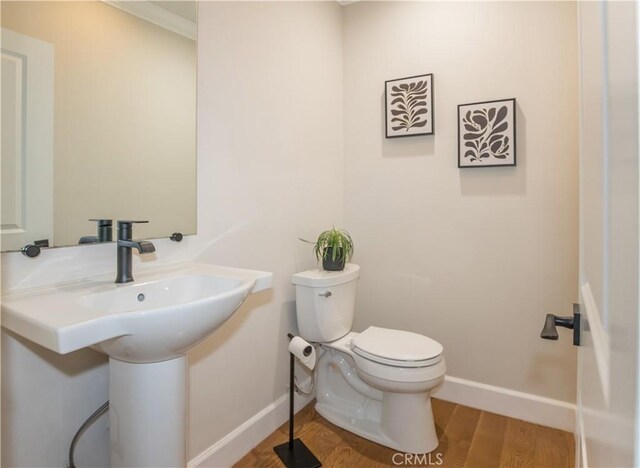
403	376
397	348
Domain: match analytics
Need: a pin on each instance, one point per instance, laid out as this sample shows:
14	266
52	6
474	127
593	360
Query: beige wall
474	258
124	117
269	171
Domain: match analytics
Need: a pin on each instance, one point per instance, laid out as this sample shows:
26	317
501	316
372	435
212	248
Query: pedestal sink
145	327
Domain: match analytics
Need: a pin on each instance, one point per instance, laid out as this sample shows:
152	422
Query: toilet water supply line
301	390
90	420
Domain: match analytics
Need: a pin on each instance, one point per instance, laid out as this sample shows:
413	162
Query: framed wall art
409	106
487	134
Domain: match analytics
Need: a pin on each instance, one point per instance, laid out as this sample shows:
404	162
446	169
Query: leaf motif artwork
486	134
409	106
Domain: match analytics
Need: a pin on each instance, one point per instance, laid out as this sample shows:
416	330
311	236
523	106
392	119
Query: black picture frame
503	142
415	129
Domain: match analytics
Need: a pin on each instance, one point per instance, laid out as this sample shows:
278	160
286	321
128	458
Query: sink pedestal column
147	413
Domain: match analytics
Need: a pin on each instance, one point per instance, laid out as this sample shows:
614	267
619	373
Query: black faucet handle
102	221
125	229
128	222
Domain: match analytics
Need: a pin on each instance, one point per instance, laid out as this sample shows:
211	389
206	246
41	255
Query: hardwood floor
468	438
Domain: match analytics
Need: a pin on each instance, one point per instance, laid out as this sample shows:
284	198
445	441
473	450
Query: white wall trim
232	447
519	405
599	337
157	15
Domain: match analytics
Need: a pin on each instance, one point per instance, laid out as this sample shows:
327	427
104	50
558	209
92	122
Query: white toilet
377	383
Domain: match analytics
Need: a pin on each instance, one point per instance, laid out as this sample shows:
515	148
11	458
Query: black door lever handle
550	332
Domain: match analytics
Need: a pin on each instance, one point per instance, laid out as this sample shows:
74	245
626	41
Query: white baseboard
519	405
241	440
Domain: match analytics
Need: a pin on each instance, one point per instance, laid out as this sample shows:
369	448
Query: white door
27	140
607	419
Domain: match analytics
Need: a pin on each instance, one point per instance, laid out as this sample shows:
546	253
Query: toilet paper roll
305	353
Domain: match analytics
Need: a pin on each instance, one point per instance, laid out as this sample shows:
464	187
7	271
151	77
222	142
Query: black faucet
125	244
105	233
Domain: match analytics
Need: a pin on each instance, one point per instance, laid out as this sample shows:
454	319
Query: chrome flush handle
325	294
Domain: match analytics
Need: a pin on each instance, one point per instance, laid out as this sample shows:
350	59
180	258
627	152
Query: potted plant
334	247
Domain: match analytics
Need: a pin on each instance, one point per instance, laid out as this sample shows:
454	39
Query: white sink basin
158	317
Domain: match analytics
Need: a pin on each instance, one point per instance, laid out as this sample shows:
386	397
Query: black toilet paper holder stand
294	453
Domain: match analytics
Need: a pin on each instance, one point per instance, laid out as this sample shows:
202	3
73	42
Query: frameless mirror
98	119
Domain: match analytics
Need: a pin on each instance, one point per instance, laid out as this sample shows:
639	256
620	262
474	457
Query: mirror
98	119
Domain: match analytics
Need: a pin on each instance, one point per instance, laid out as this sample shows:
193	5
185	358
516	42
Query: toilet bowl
377	383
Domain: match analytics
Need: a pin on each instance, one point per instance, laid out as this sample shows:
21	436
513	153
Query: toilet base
420	436
401	421
362	427
408	419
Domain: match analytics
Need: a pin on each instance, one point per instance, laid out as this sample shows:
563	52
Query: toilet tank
325	302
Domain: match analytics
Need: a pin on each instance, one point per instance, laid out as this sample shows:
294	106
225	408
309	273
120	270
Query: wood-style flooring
468	438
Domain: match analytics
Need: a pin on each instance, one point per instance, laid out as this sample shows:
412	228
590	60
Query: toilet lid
397	347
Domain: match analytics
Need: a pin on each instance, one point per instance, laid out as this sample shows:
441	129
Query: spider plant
334	247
